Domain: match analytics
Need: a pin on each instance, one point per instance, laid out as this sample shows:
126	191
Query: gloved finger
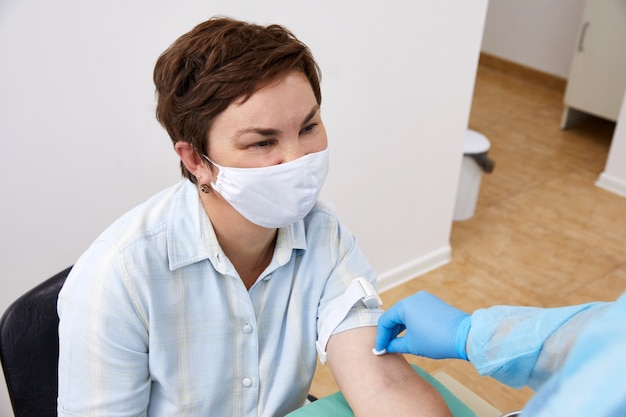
397	330
391	317
385	334
388	328
398	345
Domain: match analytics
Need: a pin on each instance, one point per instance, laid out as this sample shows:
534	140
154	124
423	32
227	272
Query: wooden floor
543	233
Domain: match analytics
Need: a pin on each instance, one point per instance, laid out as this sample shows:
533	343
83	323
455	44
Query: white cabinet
597	78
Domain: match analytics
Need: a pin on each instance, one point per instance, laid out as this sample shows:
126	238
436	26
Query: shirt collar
191	237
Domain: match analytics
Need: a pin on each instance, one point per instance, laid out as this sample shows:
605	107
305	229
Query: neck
249	247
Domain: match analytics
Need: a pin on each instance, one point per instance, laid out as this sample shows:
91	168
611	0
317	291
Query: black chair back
29	349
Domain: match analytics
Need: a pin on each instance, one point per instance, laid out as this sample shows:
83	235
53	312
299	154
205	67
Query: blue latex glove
434	328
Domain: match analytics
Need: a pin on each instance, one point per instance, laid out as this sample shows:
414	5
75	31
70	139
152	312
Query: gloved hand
434	328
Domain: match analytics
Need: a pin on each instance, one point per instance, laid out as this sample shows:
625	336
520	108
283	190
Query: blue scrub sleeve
522	346
591	382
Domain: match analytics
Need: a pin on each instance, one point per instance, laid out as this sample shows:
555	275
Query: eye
308	128
262	144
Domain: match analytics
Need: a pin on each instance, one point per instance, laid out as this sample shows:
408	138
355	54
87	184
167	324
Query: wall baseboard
552	82
612	184
414	268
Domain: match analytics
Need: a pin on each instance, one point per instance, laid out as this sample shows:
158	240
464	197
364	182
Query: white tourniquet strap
337	310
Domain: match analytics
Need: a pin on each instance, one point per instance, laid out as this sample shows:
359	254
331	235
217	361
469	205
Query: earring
205	188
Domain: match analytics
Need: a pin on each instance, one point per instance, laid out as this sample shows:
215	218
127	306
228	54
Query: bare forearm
406	395
380	385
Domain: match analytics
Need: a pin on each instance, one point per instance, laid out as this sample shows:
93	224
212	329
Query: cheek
320	141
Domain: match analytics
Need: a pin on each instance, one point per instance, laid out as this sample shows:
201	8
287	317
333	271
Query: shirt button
246	382
247	328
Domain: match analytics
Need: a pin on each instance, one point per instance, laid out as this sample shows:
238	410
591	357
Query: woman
205	299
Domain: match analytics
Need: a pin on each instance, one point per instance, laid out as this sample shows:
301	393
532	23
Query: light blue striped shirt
154	319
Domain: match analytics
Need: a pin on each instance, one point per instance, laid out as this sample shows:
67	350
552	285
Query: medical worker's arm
526	345
379	385
517	345
591	381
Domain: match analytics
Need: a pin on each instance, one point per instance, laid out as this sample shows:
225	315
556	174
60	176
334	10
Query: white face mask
274	196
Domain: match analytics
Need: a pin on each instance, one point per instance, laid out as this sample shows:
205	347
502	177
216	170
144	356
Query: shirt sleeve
103	340
350	263
591	381
522	346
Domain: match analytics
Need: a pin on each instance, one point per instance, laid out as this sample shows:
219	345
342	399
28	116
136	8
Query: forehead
283	101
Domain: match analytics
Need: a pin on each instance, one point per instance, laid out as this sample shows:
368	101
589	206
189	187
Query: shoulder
322	223
145	220
323	208
323	213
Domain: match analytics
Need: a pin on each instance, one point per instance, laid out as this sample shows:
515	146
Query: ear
194	162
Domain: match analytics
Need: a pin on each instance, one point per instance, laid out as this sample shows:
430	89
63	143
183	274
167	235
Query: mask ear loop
213	164
205	188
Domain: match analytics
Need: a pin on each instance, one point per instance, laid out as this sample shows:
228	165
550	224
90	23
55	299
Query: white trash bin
475	162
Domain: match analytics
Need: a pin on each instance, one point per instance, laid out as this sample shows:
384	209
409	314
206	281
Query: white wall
613	178
538	34
81	145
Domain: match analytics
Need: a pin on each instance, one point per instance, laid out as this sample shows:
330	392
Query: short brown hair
216	63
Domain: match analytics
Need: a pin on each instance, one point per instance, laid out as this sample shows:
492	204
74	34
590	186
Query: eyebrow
274	132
